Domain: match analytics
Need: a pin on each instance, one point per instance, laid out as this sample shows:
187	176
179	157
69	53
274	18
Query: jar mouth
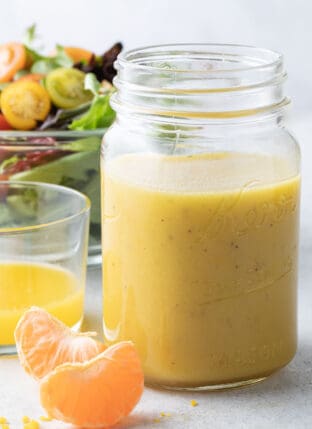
201	79
211	58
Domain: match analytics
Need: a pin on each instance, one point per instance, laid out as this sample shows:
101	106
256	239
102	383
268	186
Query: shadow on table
294	377
135	420
130	422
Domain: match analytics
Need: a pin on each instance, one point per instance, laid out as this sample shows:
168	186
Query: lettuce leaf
88	144
99	115
92	84
8	162
41	63
30	35
44	64
60	118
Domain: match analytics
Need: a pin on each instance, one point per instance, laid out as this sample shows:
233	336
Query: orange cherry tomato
12	59
35	77
78	54
23	103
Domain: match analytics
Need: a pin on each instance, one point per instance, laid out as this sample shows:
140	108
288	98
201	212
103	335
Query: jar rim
202	80
266	58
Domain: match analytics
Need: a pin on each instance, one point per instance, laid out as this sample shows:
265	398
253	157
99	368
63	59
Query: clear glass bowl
68	158
43	253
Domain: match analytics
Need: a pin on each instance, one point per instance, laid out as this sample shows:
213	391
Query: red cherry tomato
4	125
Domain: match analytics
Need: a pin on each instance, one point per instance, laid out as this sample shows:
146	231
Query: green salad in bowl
54	111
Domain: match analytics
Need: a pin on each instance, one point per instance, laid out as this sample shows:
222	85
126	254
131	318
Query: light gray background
284	25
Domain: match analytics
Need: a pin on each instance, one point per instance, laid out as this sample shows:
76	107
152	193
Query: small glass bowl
43	253
67	158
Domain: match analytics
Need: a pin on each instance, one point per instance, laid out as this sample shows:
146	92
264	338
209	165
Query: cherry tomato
4	125
66	88
23	103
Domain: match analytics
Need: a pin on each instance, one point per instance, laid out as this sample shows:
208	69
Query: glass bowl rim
51	133
20	229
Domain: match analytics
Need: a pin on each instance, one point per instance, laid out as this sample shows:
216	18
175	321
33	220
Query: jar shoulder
275	140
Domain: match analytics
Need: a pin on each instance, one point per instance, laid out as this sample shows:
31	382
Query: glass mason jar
200	194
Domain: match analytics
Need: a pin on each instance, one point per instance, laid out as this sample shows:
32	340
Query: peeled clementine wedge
97	393
43	343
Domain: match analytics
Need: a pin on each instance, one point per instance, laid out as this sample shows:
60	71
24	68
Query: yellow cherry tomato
23	103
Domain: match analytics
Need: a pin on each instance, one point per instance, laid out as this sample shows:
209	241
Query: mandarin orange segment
43	343
97	393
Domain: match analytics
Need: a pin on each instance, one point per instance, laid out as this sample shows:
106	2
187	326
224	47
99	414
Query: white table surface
282	401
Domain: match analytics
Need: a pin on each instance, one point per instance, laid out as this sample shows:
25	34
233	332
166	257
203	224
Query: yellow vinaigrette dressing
25	284
200	264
